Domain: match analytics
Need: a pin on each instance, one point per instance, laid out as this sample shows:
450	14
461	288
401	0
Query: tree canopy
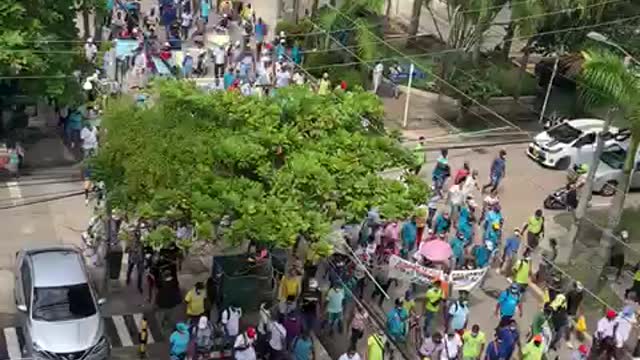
37	47
275	167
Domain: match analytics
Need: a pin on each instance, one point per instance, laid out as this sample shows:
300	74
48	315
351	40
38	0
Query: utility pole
107	247
550	85
587	188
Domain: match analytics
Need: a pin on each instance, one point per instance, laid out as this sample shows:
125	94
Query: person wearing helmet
581	354
508	302
604	337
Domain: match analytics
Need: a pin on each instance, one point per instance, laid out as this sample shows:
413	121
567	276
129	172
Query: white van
572	142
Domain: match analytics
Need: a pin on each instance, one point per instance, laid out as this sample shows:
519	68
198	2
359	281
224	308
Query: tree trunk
508	40
415	18
523	70
387	14
86	29
587	188
617	207
296	10
475	56
314	7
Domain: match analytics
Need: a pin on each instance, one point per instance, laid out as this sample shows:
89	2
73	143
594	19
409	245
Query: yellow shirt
434	297
289	286
323	88
195	302
375	347
521	269
534	225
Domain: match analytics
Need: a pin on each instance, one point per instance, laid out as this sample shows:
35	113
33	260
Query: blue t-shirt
481	254
334	300
442	224
511	246
459	315
457	247
496	351
508	303
228	80
408	234
497	167
302	349
509	339
395	321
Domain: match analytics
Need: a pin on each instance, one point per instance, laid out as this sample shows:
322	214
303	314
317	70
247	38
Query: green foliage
295	31
277	167
606	81
510	81
28	47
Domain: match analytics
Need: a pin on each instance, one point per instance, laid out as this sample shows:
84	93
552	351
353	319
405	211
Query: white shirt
605	328
346	357
298	78
451	347
89	138
186	19
456	196
469	185
623	330
282	78
231	320
219	54
278	336
377	71
249	353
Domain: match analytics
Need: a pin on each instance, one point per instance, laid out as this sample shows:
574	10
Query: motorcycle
565	198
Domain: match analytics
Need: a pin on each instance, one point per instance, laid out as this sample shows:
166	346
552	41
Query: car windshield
614	157
63	303
564	133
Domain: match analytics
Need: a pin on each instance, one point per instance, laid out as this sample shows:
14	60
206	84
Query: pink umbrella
436	250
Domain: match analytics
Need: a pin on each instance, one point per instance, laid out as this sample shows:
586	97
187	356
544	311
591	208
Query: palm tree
606	81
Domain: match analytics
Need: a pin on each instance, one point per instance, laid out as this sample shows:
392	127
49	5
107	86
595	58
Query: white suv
571	142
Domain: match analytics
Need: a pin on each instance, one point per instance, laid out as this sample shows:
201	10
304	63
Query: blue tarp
161	66
125	47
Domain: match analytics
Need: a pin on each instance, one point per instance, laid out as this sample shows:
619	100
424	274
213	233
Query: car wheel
563	164
609	189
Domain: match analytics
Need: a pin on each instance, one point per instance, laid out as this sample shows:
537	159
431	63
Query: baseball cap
537	338
611	314
251	332
583	349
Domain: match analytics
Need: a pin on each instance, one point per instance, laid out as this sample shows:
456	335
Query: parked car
572	142
609	172
59	311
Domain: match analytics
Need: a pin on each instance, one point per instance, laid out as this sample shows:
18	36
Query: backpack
204	338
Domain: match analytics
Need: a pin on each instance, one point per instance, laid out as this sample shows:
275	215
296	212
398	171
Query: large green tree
605	81
37	49
275	168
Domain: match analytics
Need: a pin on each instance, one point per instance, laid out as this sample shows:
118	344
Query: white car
572	142
609	173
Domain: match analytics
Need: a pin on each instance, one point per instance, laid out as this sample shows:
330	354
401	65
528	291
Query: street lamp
601	38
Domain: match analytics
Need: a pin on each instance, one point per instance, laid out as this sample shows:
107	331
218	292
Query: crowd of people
474	233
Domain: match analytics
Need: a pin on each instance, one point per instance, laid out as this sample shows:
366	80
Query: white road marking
14	192
138	319
13	346
123	332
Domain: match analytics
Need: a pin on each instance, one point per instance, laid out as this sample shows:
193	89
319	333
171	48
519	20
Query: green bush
320	62
508	78
294	31
353	78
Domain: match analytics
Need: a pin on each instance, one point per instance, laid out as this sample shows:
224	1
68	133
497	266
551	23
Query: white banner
402	269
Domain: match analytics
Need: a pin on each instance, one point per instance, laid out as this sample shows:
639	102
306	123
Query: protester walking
497	171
